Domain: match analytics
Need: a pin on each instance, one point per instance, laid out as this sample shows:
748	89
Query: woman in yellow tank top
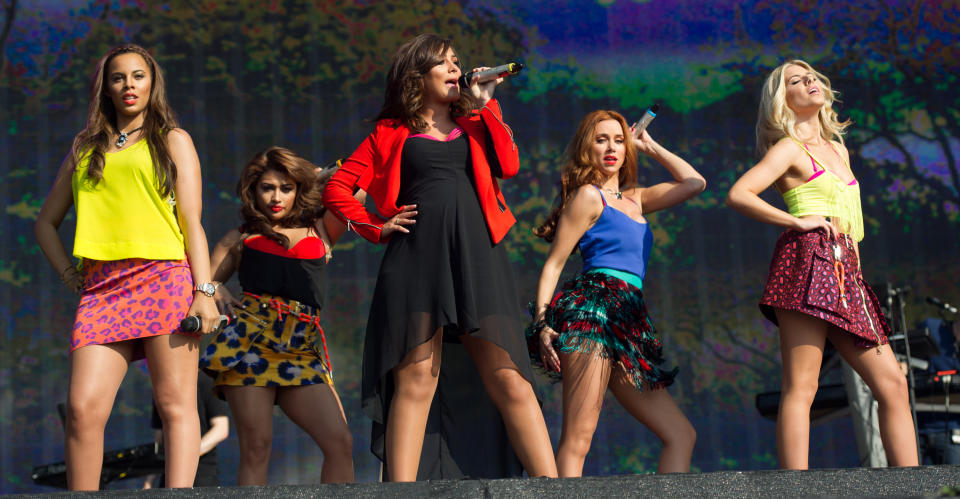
815	289
134	178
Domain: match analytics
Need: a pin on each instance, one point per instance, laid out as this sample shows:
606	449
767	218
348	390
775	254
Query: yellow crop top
827	195
123	215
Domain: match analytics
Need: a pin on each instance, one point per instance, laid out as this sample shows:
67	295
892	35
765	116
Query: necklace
122	139
618	194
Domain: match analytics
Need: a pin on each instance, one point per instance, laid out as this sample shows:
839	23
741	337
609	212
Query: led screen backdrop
247	74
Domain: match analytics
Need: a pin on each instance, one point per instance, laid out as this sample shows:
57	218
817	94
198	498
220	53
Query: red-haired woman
596	331
445	278
276	352
134	178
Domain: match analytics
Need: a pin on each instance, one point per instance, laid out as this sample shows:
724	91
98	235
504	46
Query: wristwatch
207	288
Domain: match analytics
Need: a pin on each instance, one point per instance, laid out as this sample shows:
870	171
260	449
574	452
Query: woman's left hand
206	308
484	91
644	142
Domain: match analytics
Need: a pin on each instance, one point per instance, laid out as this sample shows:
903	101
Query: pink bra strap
601	194
812	161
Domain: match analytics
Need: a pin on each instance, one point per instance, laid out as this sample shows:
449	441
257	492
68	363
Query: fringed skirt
600	314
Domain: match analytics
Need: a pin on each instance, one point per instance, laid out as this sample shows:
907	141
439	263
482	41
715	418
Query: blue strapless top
616	242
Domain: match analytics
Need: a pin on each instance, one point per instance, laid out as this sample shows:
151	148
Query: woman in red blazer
445	286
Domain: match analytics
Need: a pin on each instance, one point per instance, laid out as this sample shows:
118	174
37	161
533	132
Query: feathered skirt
598	313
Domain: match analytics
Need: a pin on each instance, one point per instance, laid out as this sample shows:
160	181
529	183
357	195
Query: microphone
937	302
486	75
192	324
645	120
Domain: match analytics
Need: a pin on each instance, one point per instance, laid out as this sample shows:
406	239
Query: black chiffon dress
446	273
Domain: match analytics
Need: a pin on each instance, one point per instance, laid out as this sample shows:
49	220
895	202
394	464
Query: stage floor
854	482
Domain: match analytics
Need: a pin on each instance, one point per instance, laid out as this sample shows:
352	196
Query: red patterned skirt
807	276
131	298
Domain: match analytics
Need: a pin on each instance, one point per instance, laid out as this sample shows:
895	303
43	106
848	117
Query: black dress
445	274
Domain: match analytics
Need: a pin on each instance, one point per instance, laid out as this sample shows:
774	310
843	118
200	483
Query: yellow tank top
827	195
123	215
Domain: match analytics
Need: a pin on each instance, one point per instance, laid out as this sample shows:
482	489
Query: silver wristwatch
207	288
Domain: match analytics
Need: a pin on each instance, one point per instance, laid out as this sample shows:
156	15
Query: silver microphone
644	120
486	75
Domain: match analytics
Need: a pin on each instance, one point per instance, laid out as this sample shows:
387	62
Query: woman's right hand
397	222
814	222
225	302
73	279
547	353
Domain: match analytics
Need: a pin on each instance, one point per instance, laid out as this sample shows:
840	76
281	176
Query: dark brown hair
307	206
403	98
579	169
102	122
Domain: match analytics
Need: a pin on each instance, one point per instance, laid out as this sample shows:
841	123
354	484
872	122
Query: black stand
896	306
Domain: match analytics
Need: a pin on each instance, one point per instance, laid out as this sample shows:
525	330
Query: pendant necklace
618	194
122	139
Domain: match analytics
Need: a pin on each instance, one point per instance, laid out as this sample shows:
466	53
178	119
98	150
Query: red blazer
375	168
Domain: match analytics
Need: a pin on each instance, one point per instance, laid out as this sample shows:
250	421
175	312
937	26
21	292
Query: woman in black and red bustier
445	286
276	353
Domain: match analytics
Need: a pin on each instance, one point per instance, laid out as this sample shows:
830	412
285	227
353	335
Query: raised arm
506	160
55	207
189	206
744	195
686	183
580	214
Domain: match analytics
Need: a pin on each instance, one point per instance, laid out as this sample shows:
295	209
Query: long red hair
579	169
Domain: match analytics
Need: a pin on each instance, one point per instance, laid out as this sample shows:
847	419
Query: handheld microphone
937	302
192	324
486	75
645	120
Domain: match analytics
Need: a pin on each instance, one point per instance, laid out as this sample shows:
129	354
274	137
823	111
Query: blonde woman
815	289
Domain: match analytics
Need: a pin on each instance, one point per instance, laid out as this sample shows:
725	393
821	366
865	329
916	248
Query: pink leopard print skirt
804	277
131	298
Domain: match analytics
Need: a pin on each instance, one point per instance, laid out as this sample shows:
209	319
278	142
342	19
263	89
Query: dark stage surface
857	482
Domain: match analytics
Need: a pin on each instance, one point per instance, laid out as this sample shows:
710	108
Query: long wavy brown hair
101	124
307	206
579	169
403	98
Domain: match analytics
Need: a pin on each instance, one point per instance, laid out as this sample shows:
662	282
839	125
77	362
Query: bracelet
539	318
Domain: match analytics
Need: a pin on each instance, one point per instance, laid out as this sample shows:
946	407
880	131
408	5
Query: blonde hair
776	120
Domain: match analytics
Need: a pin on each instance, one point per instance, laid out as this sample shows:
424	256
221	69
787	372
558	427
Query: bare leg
96	372
585	379
514	397
657	410
415	381
252	410
173	369
889	386
802	338
317	409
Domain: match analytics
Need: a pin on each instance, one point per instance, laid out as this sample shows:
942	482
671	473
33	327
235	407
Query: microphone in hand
193	324
641	124
486	75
